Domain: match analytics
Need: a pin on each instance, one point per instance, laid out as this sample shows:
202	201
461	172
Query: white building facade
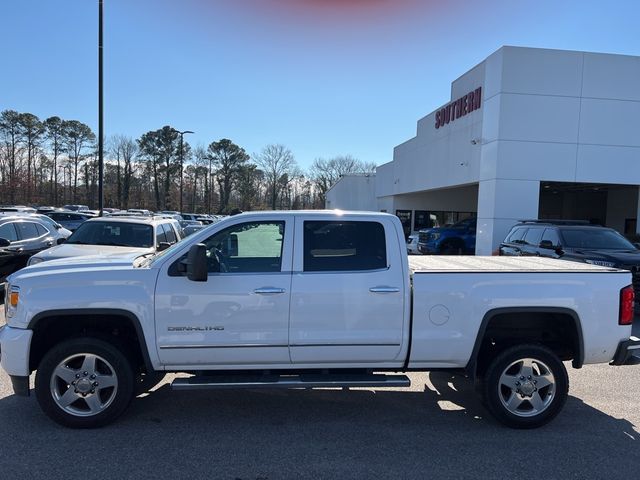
528	133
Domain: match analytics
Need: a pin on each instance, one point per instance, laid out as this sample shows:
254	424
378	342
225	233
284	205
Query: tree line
55	162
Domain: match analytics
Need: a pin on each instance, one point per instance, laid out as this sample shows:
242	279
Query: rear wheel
526	386
84	383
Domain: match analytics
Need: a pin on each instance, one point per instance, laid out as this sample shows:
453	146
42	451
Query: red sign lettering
459	108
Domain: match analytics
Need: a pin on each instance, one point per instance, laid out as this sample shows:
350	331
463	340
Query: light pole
100	115
181	159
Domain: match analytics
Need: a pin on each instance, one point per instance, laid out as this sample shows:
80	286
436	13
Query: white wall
560	118
353	192
546	115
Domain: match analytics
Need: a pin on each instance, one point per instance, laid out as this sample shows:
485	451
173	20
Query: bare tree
160	147
55	132
227	157
32	130
248	186
125	150
78	138
277	163
201	169
325	173
12	134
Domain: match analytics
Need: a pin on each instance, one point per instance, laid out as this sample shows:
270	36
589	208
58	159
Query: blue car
456	239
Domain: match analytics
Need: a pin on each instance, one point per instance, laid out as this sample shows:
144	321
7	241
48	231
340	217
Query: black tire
91	405
515	398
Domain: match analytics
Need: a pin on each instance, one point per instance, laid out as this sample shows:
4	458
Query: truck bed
466	264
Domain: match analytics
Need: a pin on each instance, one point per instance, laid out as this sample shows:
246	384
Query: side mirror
546	244
4	242
60	241
637	245
197	263
163	246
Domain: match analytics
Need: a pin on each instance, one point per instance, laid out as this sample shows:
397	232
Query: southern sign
459	108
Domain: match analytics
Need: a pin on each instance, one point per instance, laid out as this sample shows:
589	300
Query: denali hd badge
194	329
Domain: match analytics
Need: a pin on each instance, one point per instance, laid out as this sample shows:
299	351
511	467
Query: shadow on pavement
440	432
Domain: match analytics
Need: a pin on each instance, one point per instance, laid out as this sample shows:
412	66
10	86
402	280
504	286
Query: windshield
119	234
595	239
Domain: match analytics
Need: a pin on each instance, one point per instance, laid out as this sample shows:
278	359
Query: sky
322	77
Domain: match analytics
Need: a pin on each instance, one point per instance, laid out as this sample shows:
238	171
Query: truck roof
335	212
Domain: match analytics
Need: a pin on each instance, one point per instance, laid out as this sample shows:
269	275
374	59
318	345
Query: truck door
348	292
240	315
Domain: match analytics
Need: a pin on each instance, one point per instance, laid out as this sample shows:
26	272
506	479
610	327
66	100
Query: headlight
12	297
435	235
601	263
34	261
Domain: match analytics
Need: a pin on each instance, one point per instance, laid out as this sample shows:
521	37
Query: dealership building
528	133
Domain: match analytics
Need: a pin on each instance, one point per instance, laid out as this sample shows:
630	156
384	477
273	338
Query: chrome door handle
268	290
384	289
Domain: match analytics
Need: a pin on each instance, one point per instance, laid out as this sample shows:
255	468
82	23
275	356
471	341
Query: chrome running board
289	381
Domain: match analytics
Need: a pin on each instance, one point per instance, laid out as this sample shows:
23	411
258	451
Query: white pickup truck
303	300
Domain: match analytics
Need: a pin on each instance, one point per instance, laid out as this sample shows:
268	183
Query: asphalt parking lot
435	429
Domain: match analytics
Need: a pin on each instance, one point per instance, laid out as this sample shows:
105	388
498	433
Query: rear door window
533	236
8	231
41	230
552	235
27	230
344	246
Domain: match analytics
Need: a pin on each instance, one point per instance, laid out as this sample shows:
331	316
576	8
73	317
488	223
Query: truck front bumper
427	249
15	344
14	357
625	353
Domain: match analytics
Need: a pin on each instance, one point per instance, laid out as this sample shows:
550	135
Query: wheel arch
93	320
511	314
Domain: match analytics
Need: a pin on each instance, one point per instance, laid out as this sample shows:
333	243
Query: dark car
21	237
456	239
577	241
69	220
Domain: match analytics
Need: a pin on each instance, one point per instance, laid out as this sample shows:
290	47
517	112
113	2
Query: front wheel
526	386
84	383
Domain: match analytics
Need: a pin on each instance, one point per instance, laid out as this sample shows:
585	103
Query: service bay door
347	300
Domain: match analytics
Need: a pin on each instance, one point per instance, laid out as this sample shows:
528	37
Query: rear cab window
336	245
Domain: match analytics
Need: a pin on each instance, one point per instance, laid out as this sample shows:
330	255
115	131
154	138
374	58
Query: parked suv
573	240
68	219
21	237
115	236
456	239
